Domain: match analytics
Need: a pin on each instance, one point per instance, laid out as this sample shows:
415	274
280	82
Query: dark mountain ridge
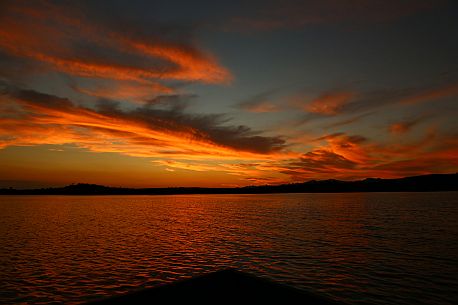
424	183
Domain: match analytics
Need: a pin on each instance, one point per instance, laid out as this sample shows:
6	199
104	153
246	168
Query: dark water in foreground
363	248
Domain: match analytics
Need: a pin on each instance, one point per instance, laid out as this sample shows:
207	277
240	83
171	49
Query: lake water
362	248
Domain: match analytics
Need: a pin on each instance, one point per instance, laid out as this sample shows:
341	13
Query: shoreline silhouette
423	183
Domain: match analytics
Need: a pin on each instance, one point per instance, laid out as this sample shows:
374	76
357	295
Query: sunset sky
226	93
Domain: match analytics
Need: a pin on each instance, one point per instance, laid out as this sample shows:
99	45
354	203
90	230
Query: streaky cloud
293	14
73	39
161	123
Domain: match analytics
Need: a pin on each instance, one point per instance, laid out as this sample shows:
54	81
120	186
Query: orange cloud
191	64
123	90
349	147
145	131
399	128
352	157
260	103
444	91
261	107
405	126
66	40
349	121
162	131
361	104
329	103
258	169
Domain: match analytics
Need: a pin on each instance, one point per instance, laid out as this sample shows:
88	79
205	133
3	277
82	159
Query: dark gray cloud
164	113
172	116
404	126
104	41
352	139
270	15
349	121
262	102
364	104
319	161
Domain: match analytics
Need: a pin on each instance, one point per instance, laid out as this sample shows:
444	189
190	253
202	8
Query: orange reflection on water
71	248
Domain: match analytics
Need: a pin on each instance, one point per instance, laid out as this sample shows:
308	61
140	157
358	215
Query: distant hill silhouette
424	183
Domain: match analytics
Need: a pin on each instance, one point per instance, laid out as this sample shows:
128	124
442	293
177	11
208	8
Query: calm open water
363	248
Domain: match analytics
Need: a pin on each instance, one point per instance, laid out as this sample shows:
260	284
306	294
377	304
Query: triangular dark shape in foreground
226	286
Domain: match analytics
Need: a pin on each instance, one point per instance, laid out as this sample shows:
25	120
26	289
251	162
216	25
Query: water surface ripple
362	248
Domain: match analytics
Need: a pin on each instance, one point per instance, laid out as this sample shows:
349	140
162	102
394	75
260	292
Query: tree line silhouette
424	183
